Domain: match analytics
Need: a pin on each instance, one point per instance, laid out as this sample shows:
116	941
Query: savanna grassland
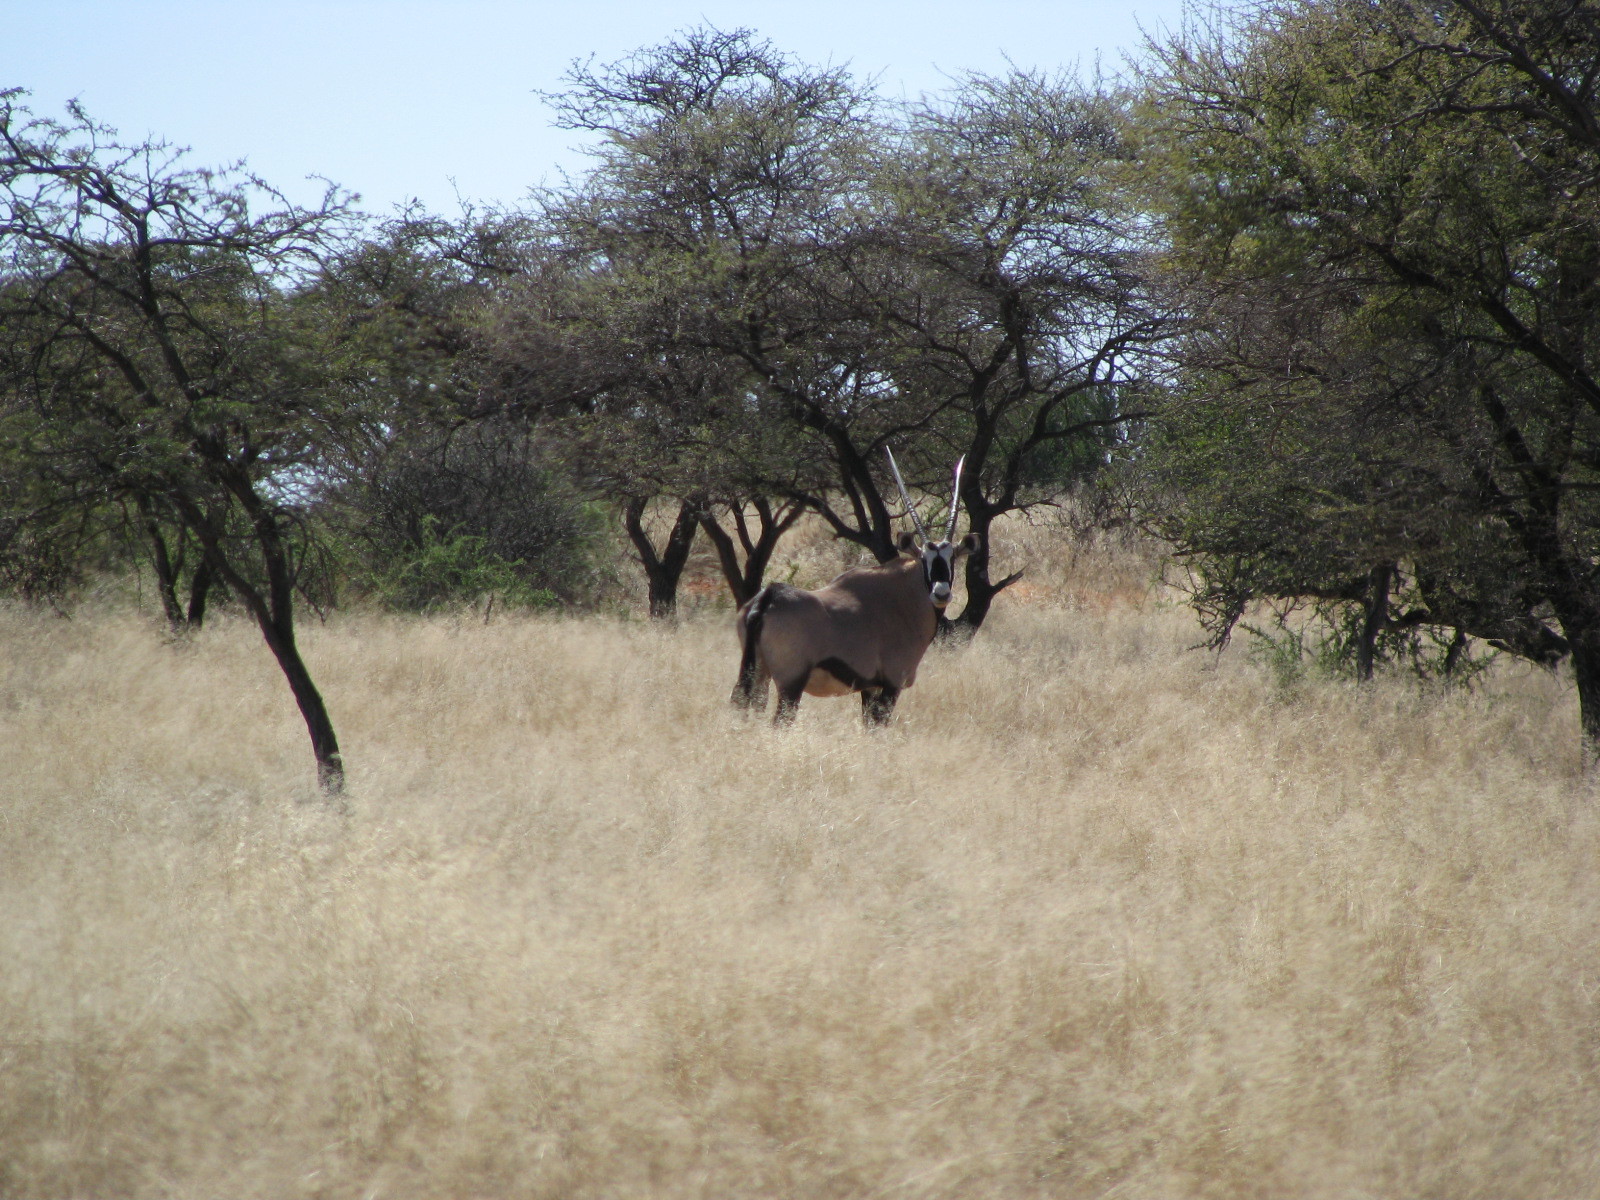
1098	916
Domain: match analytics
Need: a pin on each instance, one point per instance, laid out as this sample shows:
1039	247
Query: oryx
864	632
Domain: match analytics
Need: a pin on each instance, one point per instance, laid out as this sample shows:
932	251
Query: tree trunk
1375	619
324	742
745	580
1586	673
663	569
1577	609
274	614
1578	613
981	592
200	592
166	572
276	622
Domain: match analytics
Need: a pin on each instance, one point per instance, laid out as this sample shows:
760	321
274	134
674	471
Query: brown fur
877	621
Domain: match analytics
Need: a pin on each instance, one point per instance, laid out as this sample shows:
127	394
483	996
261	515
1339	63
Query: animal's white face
938	569
939	563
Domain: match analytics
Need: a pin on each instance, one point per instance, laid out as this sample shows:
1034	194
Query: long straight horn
955	501
910	508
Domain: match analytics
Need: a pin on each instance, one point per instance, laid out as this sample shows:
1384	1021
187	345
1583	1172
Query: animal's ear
907	543
970	543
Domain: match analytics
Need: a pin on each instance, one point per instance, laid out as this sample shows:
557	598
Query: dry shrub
1097	916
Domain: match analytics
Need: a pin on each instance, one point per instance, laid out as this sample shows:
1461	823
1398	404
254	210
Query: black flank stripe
841	671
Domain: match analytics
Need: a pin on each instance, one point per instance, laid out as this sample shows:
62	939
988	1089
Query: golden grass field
1098	916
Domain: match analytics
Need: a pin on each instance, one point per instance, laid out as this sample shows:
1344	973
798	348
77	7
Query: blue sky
414	98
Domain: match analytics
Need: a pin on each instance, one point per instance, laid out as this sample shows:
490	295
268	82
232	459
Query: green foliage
163	361
1382	221
445	517
1299	640
453	568
159	351
1281	651
770	276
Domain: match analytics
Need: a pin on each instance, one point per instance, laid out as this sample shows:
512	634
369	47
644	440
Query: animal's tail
749	691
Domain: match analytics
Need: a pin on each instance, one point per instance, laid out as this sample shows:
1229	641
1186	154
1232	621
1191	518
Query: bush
455	568
454	517
1321	638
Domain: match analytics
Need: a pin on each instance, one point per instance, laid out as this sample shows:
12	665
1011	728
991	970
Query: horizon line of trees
1314	295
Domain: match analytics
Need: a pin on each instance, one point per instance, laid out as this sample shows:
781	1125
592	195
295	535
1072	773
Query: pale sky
417	98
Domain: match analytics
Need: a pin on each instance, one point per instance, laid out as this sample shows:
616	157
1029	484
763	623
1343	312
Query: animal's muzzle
940	594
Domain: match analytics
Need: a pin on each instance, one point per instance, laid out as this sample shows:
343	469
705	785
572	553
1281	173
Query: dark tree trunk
161	560
200	592
1577	610
1586	673
861	516
169	570
166	577
981	591
663	569
745	580
274	614
276	622
1374	619
1455	652
324	742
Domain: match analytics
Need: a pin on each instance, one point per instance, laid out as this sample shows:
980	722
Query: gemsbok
865	632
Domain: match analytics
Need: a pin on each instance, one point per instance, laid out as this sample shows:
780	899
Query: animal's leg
750	692
788	701
877	705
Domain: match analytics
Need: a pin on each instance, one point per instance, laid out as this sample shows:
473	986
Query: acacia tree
404	305
962	279
713	213
633	425
745	550
1004	279
1425	172
157	355
429	470
721	160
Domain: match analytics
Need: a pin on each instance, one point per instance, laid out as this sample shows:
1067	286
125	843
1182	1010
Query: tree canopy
1383	222
774	276
161	351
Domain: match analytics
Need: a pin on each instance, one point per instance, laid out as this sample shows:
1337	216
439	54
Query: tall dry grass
1097	916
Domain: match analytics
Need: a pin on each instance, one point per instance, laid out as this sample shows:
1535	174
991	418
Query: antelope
865	632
